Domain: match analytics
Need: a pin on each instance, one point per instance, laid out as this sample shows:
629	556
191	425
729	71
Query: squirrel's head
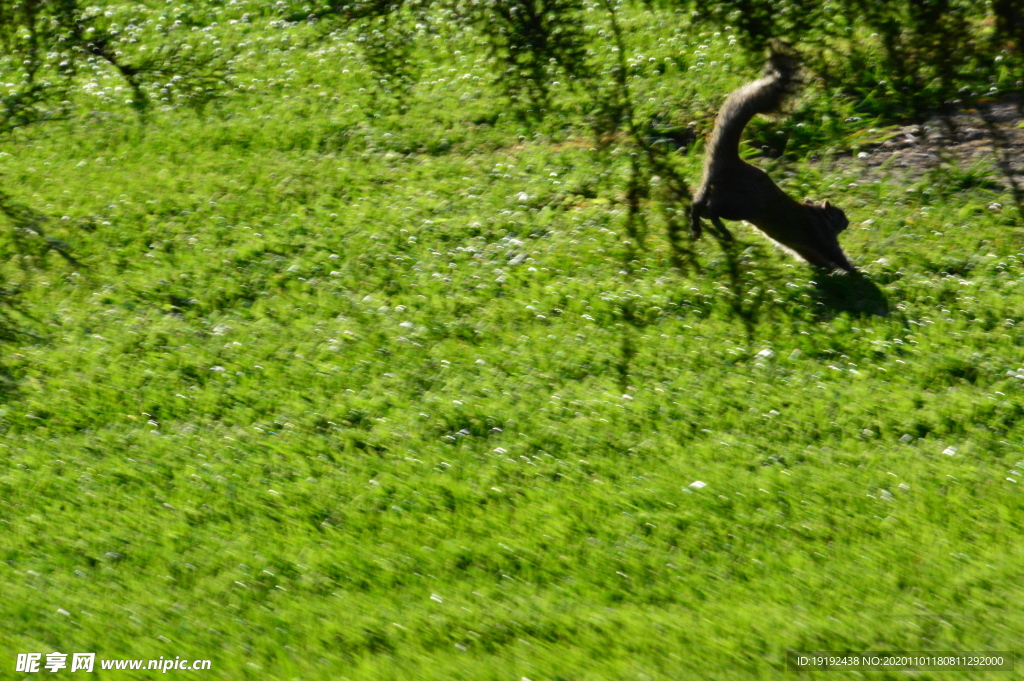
835	218
832	219
826	252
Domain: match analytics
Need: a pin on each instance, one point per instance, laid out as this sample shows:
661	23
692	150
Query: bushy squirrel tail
761	96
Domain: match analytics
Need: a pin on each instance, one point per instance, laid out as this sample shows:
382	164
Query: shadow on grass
26	237
8	385
12	332
853	294
8	381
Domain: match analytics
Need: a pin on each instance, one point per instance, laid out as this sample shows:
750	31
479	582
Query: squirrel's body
735	190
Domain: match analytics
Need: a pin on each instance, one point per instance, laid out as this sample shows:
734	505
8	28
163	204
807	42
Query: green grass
329	398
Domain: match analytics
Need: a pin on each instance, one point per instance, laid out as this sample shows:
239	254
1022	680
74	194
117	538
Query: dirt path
973	139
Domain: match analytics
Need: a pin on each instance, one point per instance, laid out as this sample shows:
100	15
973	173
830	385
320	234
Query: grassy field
339	390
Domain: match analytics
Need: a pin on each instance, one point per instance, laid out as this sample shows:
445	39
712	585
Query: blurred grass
344	393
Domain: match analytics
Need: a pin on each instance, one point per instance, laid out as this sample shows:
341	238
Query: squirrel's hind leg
695	227
717	222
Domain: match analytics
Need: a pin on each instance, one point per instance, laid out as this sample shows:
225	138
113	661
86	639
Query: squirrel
735	190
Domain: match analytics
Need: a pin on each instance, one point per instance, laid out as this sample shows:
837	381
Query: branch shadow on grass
10	332
853	293
27	232
28	243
